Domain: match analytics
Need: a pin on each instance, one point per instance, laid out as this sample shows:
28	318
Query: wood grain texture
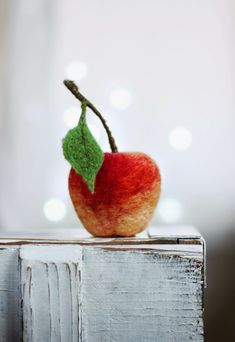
96	290
141	295
10	323
50	293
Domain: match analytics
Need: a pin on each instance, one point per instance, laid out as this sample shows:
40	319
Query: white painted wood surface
97	290
50	292
10	323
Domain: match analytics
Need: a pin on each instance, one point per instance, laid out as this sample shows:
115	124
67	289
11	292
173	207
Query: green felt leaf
82	151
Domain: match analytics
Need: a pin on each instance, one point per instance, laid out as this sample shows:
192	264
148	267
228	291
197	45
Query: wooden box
70	288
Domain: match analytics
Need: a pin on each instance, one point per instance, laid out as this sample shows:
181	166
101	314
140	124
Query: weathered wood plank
90	290
50	293
141	296
10	324
173	232
80	236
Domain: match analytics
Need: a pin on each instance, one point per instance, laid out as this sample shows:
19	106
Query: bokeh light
170	210
120	98
76	70
180	138
71	116
54	209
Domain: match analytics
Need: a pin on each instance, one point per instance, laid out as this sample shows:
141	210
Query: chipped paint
135	289
10	323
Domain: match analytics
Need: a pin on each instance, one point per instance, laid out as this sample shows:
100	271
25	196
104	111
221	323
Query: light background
176	60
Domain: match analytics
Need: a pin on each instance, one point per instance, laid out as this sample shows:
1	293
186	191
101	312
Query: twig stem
75	91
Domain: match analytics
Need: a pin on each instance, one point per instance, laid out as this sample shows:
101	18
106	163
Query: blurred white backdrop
162	73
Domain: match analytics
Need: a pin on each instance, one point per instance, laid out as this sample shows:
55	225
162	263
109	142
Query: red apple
127	189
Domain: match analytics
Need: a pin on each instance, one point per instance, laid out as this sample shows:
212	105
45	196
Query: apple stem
75	91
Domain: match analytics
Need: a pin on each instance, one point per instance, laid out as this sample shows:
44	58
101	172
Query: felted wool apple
114	194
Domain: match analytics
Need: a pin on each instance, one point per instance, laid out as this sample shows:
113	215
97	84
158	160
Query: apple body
127	189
